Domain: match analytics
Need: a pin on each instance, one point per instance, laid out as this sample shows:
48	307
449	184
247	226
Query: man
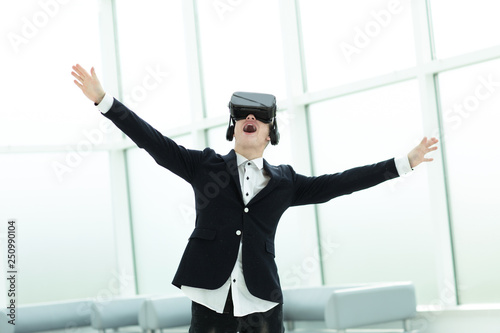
228	268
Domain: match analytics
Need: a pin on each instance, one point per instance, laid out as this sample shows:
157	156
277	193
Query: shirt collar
259	161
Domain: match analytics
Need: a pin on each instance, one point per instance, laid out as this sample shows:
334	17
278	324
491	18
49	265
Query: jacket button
246	210
238	232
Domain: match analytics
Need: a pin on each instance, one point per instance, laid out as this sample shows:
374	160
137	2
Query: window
153	61
55	168
40	103
241	50
346	41
464	26
65	233
163	217
369	226
470	102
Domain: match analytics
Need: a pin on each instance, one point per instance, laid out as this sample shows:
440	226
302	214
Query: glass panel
384	233
40	103
153	61
163	217
346	41
65	228
217	140
241	50
464	26
470	101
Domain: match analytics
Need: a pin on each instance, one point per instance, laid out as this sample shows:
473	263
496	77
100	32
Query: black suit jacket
212	248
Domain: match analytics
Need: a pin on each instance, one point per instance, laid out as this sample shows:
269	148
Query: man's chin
248	141
248	136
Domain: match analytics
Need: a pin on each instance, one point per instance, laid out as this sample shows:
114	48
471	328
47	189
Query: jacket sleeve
312	190
165	151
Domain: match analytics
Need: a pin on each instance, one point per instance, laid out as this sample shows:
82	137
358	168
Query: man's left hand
417	155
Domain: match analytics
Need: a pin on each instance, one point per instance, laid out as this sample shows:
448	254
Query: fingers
78	84
78	77
81	71
428	150
77	70
419	152
82	75
77	74
429	142
84	71
433	141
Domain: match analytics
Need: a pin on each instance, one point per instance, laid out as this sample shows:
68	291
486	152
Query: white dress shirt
253	178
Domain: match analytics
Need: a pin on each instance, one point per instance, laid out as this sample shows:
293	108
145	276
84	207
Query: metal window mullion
295	86
195	72
438	191
119	182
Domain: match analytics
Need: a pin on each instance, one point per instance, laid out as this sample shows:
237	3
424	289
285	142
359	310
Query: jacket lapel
273	171
232	168
275	174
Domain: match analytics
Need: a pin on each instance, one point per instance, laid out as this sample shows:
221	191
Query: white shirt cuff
403	165
106	103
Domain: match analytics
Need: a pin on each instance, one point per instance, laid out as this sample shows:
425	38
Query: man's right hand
88	83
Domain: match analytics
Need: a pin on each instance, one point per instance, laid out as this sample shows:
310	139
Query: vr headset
262	106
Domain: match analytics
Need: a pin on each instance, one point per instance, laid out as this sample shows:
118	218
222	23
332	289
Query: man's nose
250	117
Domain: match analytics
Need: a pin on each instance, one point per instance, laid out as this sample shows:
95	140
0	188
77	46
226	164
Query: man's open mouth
249	128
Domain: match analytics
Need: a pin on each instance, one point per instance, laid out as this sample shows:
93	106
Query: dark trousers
205	320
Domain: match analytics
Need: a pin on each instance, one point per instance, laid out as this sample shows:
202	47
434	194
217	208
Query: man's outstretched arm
165	151
311	190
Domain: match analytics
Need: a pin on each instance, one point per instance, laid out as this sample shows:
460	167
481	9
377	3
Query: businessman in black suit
228	266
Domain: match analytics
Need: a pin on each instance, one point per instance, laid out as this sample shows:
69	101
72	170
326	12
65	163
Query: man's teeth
249	128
